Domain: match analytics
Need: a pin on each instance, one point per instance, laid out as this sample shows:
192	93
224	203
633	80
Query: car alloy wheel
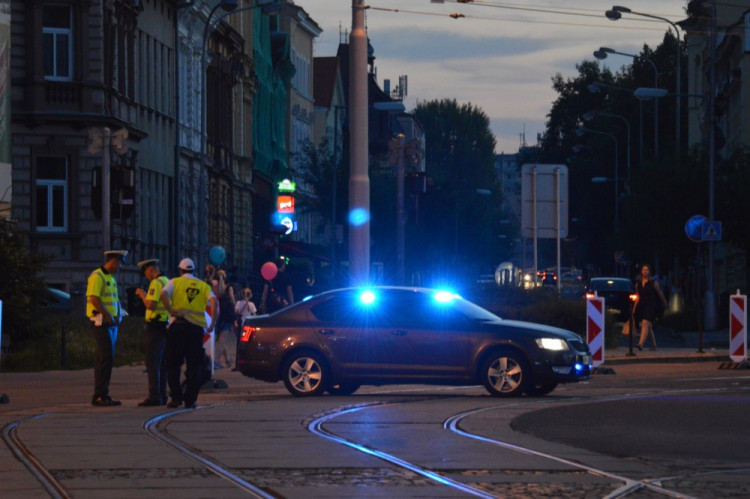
505	374
305	374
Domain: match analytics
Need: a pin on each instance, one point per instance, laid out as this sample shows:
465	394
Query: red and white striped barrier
738	327
595	329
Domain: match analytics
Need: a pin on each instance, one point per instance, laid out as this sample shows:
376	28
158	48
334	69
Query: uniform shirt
102	284
159	312
189	297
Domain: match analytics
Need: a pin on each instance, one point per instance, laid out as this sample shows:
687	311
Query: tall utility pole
359	180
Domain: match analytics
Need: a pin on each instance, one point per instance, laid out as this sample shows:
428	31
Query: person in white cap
186	298
105	313
155	333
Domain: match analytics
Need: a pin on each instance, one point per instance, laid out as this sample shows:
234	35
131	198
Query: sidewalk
673	347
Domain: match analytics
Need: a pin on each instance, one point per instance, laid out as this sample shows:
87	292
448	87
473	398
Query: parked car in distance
338	340
56	300
618	294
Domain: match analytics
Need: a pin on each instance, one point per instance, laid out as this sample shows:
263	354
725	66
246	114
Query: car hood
535	330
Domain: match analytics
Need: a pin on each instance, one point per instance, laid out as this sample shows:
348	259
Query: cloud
499	59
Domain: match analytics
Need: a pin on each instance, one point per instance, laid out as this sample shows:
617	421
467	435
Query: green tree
656	194
457	228
20	288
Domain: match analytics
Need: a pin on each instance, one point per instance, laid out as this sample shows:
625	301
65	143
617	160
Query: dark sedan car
618	294
339	340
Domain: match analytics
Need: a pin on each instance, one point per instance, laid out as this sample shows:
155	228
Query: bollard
595	329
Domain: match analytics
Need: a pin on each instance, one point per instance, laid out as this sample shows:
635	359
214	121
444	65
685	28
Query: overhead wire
457	15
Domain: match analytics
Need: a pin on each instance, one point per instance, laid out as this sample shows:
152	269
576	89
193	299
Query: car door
425	337
351	333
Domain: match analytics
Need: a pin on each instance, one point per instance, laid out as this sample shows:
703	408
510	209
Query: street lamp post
615	14
592	114
359	180
580	132
596	87
602	54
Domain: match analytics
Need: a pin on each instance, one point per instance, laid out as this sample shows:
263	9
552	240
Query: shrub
542	305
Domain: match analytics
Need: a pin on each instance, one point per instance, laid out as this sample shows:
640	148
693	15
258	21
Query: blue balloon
217	255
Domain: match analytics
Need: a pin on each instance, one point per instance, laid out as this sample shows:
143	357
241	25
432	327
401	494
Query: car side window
421	311
329	310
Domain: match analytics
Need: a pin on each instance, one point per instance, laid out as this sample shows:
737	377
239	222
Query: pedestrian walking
225	323
105	314
243	309
186	298
646	306
155	333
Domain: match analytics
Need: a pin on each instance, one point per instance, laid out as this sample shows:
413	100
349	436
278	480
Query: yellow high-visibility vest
102	285
158	313
190	297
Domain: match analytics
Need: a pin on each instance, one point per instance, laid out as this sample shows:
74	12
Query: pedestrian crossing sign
711	231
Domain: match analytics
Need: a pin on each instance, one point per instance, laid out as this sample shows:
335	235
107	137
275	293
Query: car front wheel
505	374
305	374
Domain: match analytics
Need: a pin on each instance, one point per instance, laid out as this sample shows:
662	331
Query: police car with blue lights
342	339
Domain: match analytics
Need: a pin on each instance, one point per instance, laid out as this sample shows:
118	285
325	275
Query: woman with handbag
646	307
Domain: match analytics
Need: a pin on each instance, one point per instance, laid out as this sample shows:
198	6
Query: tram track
32	463
316	424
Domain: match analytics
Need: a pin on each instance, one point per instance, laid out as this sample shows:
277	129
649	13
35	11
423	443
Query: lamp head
607	50
620	8
580	132
590	115
648	93
600	55
593	87
613	15
228	5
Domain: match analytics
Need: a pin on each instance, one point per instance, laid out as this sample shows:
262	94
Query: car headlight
554	344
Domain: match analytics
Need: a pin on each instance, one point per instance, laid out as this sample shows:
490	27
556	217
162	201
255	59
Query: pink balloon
269	270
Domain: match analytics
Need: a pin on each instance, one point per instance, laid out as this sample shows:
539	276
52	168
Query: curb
667	359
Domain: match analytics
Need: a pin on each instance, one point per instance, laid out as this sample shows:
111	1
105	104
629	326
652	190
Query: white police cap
144	264
121	254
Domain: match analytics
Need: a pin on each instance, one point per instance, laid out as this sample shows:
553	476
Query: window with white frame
52	193
57	35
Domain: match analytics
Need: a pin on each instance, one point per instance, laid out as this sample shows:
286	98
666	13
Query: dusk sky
500	57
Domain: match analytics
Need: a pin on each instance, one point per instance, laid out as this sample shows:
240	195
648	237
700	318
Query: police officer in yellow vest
155	333
105	313
186	298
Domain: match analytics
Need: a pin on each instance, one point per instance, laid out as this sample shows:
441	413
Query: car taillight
247	333
633	297
590	295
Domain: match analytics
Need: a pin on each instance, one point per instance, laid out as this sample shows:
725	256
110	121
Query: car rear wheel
305	374
344	388
541	389
505	374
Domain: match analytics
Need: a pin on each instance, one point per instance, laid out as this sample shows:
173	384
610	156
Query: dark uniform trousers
106	338
156	361
184	344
